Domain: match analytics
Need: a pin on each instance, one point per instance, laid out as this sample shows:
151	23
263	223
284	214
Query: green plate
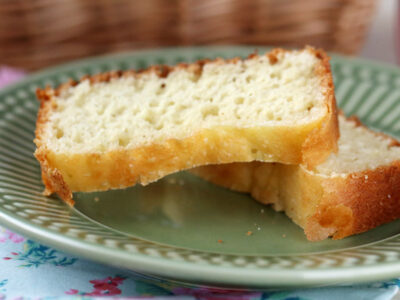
181	227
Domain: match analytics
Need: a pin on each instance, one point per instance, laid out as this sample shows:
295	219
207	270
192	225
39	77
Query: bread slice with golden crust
354	190
117	129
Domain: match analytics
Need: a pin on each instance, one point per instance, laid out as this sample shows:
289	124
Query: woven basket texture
38	33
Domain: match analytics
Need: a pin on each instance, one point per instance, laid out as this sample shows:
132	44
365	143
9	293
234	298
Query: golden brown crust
125	167
324	206
235	176
309	143
317	147
371	198
53	180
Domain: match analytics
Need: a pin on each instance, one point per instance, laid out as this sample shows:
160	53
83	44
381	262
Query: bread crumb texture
132	111
359	149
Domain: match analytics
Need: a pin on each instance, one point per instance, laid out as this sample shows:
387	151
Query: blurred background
38	33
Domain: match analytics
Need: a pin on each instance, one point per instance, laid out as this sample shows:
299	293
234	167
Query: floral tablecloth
29	270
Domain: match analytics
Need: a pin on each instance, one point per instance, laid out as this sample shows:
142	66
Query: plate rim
245	277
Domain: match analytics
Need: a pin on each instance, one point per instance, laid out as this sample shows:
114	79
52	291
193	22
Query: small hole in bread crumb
150	118
239	100
270	116
119	111
60	133
78	139
238	115
182	107
123	142
210	111
276	75
249	79
153	103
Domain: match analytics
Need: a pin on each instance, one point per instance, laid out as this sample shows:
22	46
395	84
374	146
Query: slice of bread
352	191
116	129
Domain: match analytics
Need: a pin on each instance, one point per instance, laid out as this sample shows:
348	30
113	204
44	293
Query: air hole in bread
123	142
150	118
276	76
78	139
153	103
182	107
249	79
119	111
60	133
210	111
237	114
239	100
270	116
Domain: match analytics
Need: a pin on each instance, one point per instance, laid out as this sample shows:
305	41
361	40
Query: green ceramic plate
171	228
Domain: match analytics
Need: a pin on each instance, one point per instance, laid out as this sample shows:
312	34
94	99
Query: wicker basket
37	33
